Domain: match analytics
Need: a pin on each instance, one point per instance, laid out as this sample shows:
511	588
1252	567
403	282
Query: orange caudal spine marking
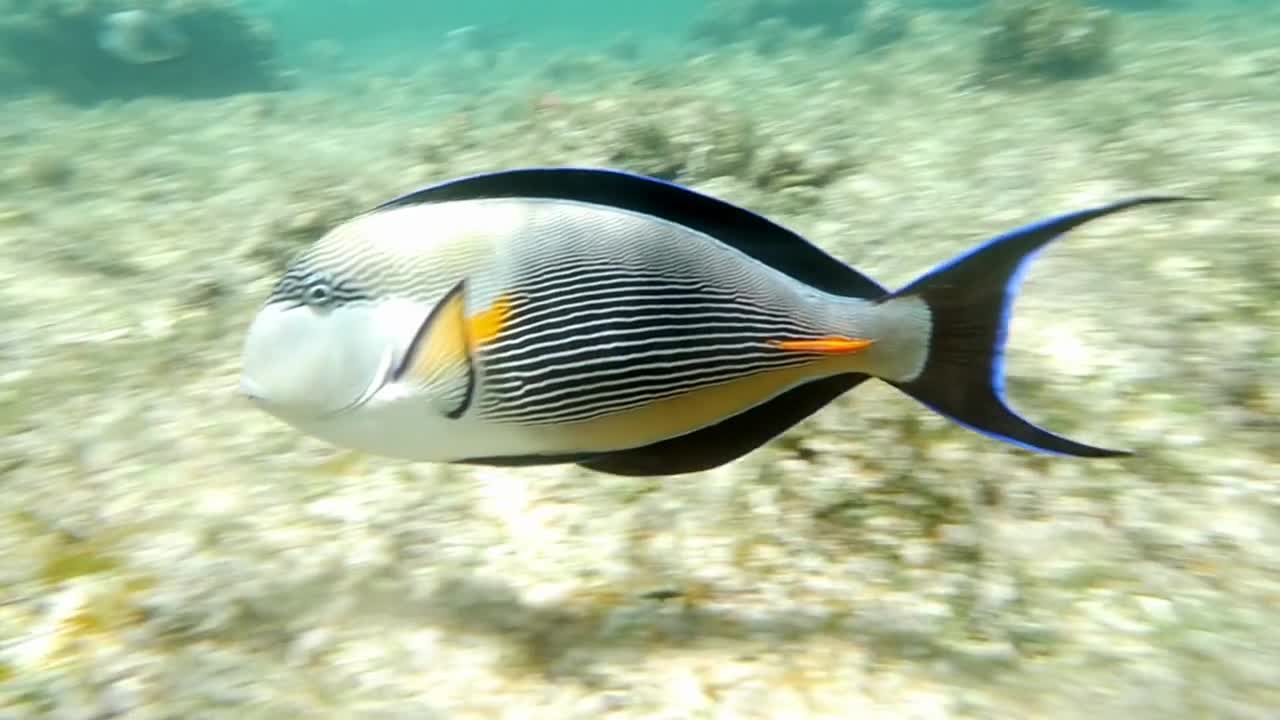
485	326
831	345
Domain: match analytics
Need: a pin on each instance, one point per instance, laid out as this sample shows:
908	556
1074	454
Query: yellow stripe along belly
622	354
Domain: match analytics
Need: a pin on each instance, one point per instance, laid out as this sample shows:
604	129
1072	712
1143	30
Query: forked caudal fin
969	299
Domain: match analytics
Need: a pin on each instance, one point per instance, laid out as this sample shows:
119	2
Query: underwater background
168	551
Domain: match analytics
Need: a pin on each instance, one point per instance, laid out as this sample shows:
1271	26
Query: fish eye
318	293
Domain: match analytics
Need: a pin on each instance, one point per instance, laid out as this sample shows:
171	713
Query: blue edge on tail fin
970	299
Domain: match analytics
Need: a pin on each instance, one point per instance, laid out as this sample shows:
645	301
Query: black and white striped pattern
303	285
588	340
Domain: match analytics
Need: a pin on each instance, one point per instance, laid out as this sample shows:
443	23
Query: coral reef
141	36
305	213
884	22
697	141
1116	4
88	51
1046	39
772	25
1146	4
727	21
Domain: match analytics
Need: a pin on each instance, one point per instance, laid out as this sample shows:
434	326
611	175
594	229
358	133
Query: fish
141	37
627	324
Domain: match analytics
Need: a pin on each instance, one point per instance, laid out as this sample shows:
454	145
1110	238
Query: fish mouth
251	392
254	392
384	375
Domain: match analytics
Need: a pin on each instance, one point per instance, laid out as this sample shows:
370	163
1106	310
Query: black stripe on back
750	233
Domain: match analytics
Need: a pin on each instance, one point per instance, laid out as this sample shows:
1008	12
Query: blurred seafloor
167	551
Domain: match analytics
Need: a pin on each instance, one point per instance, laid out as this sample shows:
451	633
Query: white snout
304	363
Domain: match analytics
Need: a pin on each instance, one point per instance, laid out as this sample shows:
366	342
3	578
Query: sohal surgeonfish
627	324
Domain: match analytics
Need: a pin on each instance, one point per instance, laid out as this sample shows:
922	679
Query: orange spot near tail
831	345
485	326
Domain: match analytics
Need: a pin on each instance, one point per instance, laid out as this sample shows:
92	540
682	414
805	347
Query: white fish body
520	252
528	317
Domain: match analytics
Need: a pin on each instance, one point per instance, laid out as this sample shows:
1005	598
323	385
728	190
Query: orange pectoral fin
827	345
487	325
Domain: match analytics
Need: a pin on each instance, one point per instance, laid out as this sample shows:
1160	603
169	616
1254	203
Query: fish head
336	326
308	359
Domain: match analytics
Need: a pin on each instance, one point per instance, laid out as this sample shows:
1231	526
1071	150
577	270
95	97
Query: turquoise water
399	27
50	45
395	27
373	32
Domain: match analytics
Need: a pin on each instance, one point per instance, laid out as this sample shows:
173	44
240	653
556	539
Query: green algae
1043	39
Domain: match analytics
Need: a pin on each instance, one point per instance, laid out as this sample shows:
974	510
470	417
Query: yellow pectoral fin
827	345
439	358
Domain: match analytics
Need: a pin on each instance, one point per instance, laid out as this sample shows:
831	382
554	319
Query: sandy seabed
167	551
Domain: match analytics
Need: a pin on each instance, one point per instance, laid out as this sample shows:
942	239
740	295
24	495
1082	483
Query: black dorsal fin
737	227
729	439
